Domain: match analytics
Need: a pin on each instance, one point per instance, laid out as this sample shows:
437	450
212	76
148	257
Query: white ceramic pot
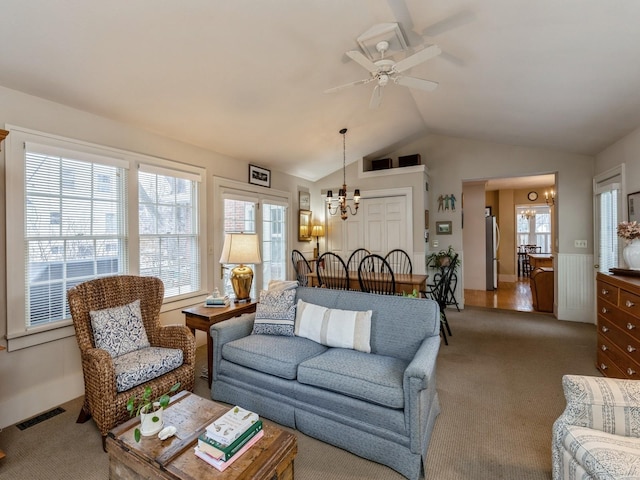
631	254
151	423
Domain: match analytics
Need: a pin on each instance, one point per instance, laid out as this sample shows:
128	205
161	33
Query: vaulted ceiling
246	77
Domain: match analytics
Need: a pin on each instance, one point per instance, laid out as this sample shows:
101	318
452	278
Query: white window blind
608	214
75	227
168	228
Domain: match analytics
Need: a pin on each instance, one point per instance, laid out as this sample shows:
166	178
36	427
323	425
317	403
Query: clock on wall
532	196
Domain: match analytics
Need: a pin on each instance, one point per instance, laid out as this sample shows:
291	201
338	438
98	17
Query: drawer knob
631	371
603	366
605	310
605	329
605	291
604	348
630	326
631	349
629	304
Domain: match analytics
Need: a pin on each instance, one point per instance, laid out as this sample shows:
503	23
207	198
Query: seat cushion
603	455
140	366
275	355
119	330
373	378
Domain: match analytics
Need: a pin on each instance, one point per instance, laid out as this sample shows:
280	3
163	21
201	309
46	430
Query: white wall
38	378
627	151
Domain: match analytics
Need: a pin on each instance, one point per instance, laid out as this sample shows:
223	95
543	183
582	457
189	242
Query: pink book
222	466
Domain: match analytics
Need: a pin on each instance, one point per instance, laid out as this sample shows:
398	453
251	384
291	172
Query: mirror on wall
304	226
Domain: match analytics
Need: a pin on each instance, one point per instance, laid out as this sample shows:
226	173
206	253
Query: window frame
19	334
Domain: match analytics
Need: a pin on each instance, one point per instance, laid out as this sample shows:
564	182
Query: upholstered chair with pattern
123	346
597	435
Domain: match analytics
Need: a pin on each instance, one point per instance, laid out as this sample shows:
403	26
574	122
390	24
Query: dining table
405	282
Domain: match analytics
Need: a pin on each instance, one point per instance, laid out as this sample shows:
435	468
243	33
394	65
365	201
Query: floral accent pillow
119	330
276	313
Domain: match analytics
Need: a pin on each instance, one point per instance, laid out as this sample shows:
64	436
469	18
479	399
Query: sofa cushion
275	313
119	330
603	455
140	366
373	378
334	327
275	355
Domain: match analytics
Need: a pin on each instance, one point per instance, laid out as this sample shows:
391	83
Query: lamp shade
318	231
241	248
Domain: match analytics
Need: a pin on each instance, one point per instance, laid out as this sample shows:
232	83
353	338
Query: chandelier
341	204
527	214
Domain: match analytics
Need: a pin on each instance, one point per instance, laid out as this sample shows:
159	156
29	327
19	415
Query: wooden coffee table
271	458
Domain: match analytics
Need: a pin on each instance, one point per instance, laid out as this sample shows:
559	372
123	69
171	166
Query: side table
201	318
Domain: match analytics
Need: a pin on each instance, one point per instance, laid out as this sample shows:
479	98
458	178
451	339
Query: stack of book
217	301
228	437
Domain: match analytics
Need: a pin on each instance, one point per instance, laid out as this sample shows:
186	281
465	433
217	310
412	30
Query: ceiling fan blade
376	97
347	85
413	82
417	58
362	60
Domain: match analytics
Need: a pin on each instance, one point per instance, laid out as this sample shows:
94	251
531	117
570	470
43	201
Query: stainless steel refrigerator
492	242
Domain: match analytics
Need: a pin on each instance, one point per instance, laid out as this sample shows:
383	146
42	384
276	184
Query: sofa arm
227	331
607	404
419	385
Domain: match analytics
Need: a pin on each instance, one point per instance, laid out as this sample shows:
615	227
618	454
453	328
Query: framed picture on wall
443	228
304	199
633	205
259	176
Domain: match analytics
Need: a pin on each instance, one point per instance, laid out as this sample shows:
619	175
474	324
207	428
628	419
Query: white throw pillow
334	327
119	330
276	285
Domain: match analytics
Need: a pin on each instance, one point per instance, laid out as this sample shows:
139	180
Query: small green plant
147	405
414	294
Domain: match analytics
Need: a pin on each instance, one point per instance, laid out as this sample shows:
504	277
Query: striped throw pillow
333	327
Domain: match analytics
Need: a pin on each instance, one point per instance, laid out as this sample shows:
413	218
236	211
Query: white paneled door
379	226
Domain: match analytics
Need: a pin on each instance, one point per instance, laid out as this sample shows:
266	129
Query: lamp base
241	278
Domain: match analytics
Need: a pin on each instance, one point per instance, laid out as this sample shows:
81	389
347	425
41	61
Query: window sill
32	338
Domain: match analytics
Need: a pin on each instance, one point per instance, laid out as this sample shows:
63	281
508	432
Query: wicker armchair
102	401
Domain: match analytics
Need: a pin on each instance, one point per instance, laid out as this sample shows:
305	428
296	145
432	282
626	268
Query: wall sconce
550	198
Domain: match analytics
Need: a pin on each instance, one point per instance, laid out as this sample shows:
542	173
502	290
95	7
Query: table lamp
241	248
317	231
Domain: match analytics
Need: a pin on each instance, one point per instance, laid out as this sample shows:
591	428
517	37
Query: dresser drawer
630	303
618	317
608	292
627	343
612	356
607	367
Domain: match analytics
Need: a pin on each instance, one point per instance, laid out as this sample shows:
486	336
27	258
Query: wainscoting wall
575	292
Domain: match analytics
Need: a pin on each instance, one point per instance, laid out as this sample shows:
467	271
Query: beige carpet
499	387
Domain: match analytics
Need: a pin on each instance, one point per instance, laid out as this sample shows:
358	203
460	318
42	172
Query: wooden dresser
618	326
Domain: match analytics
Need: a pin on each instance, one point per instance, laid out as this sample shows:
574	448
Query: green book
225	452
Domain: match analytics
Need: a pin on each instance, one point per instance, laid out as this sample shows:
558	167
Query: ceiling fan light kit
384	69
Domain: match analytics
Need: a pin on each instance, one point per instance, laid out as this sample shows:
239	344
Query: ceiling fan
384	70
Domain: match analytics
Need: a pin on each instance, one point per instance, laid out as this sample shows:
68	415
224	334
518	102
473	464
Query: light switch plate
580	243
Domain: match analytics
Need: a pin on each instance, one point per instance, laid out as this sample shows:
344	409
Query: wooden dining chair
355	258
301	267
376	276
399	261
332	272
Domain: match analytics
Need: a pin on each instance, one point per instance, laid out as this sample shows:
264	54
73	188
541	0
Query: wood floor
509	296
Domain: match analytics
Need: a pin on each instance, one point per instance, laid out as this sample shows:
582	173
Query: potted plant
443	258
150	411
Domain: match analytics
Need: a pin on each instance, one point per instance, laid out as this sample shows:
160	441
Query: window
247	210
534	226
69	204
168	225
608	213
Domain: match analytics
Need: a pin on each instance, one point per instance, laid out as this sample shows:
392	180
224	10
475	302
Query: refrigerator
492	242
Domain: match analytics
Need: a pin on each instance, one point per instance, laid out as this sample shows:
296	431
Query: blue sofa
380	405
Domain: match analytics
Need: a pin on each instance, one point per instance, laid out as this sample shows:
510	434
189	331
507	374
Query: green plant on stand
414	294
443	258
147	405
